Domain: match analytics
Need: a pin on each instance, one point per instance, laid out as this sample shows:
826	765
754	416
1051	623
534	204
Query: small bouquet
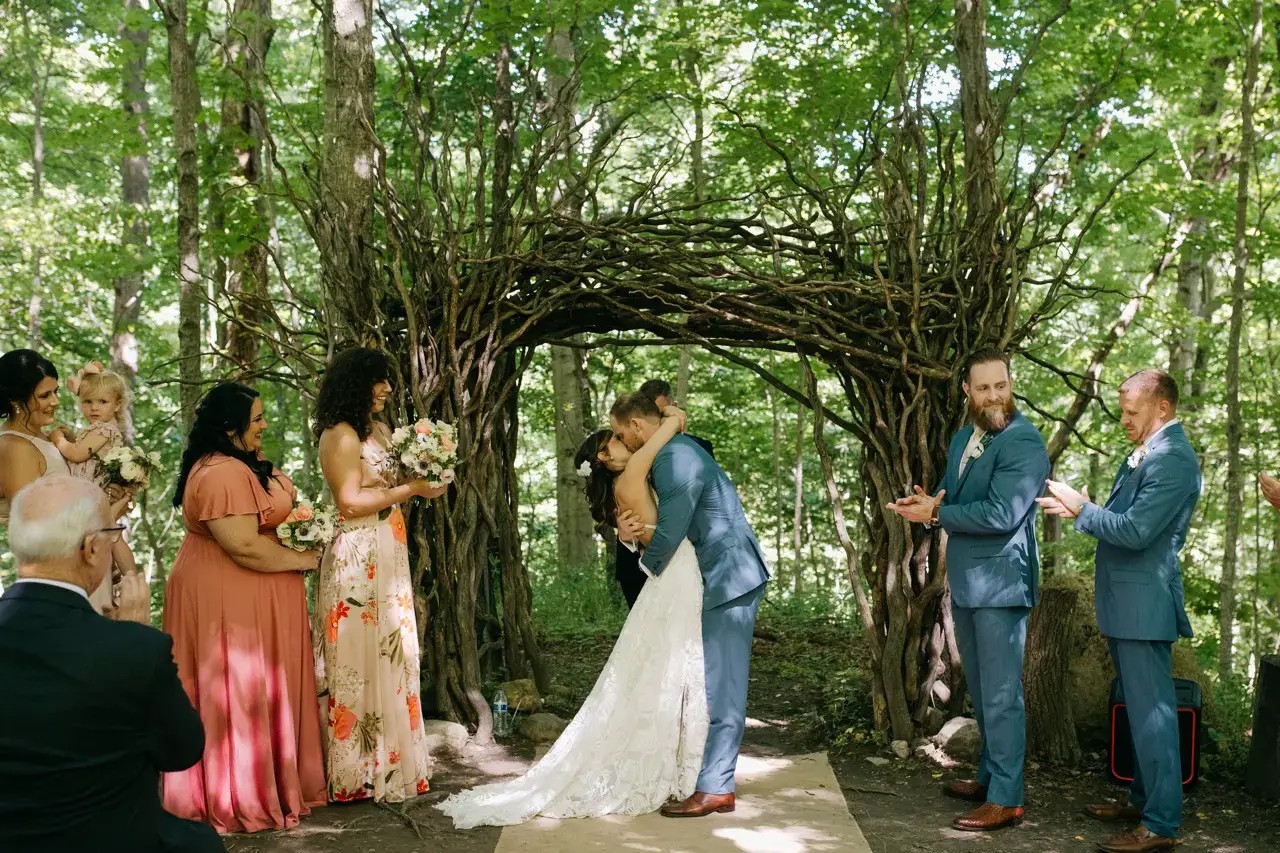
308	527
129	467
426	450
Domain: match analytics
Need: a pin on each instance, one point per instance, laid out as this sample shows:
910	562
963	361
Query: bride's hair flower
584	470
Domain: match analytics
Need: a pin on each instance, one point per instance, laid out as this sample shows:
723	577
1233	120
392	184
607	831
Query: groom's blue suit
1139	603
993	566
696	501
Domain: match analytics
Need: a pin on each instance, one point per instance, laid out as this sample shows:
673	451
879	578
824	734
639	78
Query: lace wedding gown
638	739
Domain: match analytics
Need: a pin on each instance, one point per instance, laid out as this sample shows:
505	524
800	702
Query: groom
697	502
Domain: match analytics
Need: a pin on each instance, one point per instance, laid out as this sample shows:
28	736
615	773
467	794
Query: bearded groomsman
996	467
1138	596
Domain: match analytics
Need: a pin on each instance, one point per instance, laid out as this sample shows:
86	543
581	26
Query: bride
638	739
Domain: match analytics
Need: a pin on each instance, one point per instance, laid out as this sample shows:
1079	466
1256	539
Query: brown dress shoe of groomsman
699	804
989	816
1113	811
1141	840
966	789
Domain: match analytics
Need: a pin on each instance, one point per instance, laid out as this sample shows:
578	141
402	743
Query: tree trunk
575	531
1235	467
779	519
1260	776
38	67
135	191
1051	727
249	33
797	516
1207	169
343	222
575	539
186	107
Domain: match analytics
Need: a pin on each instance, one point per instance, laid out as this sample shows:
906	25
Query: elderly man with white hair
93	710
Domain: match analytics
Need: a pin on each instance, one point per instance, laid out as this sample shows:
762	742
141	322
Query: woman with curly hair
236	607
366	632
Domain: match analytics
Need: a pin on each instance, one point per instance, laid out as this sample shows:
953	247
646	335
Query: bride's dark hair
598	484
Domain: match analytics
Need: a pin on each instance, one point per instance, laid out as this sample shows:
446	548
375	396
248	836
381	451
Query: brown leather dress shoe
1113	811
989	816
699	804
1141	840
966	789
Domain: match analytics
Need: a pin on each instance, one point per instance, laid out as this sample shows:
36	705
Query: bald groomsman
1138	596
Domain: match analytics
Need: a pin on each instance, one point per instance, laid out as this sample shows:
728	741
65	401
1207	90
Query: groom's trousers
992	641
726	648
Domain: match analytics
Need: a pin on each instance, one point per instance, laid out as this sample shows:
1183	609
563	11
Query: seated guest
93	708
626	563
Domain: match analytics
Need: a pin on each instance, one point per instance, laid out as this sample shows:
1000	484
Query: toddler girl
102	400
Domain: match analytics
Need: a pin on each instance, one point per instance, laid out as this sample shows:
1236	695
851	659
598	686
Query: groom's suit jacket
989	513
697	501
1140	530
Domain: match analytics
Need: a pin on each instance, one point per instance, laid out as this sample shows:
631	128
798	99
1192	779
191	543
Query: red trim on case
1195	728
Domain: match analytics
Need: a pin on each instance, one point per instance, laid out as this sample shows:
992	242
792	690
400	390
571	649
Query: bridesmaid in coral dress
366	629
236	608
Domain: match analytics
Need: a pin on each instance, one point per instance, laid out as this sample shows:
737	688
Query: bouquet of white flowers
426	450
307	527
129	467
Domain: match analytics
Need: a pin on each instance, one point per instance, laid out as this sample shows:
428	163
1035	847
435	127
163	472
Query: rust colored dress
242	640
366	636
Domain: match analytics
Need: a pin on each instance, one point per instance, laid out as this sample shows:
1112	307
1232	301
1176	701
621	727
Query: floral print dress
367	655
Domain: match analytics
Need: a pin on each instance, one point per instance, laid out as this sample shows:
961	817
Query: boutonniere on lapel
1136	457
979	448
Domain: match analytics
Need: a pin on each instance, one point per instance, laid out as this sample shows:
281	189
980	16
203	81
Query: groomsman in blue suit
1138	594
996	468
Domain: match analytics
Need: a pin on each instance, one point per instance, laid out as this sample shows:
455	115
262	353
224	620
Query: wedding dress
638	738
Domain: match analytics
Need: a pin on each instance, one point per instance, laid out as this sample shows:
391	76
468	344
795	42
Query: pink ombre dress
242	640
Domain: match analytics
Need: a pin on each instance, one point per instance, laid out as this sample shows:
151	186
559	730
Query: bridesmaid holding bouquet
366	632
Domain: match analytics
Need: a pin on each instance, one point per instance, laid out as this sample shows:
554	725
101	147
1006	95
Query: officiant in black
627	562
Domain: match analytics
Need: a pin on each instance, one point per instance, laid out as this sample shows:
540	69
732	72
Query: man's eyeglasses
114	532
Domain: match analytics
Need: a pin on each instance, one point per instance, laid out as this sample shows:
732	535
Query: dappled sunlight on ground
786	804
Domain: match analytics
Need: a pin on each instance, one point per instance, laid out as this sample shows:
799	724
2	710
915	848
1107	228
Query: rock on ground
542	728
444	737
522	696
960	740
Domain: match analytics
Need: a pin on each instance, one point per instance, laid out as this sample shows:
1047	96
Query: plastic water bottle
501	719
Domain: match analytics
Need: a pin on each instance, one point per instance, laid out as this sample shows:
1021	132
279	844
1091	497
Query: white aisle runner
787	804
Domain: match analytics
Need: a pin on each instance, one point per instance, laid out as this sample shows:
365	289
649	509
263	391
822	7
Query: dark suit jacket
626	563
92	711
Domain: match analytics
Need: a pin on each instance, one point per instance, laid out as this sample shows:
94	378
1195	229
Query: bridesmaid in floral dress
366	632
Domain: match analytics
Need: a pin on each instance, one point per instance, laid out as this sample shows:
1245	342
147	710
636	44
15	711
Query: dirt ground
899	805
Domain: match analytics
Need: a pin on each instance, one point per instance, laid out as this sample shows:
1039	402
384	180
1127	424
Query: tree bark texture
1240	261
186	107
135	192
1051	727
242	198
575	530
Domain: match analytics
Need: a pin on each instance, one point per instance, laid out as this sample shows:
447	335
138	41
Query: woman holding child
29	406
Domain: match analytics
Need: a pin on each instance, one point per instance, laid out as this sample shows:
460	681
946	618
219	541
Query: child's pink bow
93	368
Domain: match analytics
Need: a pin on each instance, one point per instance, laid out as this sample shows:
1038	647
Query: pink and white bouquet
426	450
308	527
129	467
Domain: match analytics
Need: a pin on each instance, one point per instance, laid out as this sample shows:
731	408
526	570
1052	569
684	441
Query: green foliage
1229	723
808	77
